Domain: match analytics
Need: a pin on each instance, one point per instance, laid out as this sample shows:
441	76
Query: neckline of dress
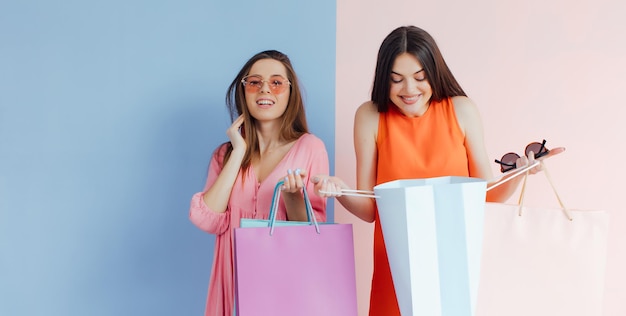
289	152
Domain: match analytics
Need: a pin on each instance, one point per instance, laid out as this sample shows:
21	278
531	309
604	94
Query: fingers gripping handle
307	204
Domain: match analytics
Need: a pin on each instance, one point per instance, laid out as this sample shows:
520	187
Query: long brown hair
417	42
293	124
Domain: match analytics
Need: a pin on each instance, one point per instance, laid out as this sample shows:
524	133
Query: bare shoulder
466	111
463	104
367	112
366	120
367	107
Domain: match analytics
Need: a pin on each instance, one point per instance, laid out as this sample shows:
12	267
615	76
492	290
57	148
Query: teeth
264	102
410	99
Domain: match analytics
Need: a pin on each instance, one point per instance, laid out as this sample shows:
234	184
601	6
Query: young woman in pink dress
268	142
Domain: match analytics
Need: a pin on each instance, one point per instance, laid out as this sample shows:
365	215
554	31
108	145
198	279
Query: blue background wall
109	111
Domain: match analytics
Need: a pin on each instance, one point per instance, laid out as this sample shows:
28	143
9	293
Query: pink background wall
537	69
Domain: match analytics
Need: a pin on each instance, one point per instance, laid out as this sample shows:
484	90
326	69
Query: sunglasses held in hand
508	161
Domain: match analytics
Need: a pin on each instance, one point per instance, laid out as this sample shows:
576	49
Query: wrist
293	195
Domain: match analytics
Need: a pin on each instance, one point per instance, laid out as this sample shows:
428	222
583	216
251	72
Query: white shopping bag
542	261
433	231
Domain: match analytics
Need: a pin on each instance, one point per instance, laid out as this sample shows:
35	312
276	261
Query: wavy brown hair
417	42
293	124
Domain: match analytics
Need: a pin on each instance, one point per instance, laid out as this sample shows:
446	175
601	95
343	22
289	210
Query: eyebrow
395	73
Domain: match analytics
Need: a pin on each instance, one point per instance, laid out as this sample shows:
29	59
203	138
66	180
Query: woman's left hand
294	181
525	161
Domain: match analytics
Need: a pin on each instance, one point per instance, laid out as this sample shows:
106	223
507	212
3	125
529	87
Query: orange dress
431	145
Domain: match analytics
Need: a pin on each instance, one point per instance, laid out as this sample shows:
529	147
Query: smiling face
409	89
266	103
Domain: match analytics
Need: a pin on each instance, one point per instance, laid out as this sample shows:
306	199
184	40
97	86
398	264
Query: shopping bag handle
520	201
518	172
501	180
275	198
307	204
524	171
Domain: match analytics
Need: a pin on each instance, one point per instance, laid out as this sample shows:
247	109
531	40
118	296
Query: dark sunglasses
507	162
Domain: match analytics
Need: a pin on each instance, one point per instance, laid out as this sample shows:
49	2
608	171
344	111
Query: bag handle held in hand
525	172
307	204
518	172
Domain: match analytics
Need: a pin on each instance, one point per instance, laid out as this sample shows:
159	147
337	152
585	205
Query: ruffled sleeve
199	213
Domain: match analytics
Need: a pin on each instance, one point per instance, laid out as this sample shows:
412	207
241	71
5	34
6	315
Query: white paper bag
541	263
433	232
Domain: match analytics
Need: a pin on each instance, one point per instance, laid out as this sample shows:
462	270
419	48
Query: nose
265	86
409	86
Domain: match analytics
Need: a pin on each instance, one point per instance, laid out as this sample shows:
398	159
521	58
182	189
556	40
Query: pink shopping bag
542	261
295	270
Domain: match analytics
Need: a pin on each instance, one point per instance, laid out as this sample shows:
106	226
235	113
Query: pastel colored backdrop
109	112
536	69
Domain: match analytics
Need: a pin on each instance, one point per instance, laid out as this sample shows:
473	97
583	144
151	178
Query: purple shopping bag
295	270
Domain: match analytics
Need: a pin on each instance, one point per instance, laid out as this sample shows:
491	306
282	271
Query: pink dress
251	199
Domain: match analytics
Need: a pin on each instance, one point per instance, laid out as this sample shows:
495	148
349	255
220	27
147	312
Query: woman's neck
269	138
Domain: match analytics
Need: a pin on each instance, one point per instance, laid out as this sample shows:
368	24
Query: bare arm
479	166
217	196
313	159
479	162
292	194
365	130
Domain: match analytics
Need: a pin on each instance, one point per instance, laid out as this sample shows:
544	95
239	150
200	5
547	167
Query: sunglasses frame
273	88
507	166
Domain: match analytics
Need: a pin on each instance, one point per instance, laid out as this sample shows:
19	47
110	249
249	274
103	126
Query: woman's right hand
234	134
328	185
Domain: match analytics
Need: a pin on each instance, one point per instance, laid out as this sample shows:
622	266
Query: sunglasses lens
538	149
252	84
508	162
278	84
